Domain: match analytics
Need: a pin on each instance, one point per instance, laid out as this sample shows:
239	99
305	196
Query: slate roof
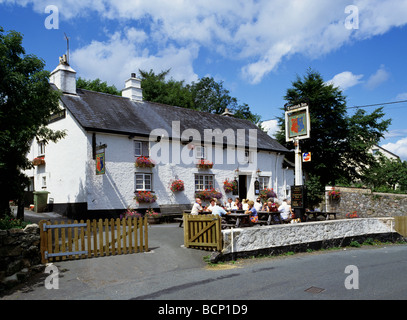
101	112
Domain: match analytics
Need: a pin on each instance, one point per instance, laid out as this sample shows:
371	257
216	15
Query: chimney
64	77
227	113
133	89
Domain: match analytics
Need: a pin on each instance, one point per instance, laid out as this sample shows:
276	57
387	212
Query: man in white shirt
286	211
197	207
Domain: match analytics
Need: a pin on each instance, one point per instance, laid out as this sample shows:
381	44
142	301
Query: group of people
250	207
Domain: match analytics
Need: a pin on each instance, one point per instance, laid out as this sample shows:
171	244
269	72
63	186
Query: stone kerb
276	236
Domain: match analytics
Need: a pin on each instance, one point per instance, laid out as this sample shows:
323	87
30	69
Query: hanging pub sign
298	197
100	163
297	122
256	187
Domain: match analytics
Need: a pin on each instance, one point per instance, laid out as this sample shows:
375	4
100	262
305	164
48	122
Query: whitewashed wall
65	164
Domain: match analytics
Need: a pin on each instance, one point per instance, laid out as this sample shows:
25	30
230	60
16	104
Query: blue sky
257	47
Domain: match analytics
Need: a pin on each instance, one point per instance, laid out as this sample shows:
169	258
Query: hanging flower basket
38	161
145	197
267	193
208	194
204	164
177	185
144	162
230	186
334	195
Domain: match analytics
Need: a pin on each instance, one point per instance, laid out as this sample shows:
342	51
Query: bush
9	222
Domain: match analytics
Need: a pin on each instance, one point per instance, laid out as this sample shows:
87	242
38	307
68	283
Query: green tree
386	175
26	101
205	95
97	85
339	143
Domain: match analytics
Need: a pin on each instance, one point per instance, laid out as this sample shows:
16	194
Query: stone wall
271	239
19	255
366	203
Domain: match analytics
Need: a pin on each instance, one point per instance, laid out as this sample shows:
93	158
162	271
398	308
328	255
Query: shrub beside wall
366	203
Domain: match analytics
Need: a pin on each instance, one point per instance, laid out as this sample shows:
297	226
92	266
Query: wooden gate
203	232
401	225
73	240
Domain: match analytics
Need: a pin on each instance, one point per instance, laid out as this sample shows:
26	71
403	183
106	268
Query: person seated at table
212	204
197	207
285	213
238	205
258	205
252	211
229	204
272	207
218	210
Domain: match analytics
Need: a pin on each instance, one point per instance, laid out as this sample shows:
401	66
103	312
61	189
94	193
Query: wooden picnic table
272	217
315	215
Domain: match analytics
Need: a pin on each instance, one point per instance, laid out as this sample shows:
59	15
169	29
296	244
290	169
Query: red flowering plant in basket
145	197
208	194
130	213
204	164
144	162
334	194
229	186
267	193
177	185
38	161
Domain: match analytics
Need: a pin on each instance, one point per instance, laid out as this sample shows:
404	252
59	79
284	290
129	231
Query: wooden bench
174	211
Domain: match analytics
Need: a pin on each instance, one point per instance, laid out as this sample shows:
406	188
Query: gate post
43	241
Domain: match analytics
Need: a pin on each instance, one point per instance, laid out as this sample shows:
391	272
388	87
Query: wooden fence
203	232
73	240
401	225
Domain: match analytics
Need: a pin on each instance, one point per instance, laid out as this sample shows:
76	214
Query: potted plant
204	164
130	213
144	162
208	194
267	193
230	186
334	195
177	185
38	161
145	197
152	216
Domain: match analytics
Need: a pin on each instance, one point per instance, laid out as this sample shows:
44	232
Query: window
247	157
44	182
203	181
141	149
264	182
143	182
200	152
41	148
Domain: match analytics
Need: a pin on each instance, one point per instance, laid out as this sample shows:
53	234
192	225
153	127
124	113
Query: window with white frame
41	148
141	149
143	182
264	182
200	152
203	181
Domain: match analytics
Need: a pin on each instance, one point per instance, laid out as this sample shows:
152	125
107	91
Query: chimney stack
64	77
133	89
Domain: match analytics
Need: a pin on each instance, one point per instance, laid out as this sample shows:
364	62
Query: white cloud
378	78
271	127
122	54
399	148
401	96
345	80
260	33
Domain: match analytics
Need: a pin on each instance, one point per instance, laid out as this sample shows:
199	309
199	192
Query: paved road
170	271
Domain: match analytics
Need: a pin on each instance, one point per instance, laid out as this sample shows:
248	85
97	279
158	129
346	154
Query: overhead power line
377	104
